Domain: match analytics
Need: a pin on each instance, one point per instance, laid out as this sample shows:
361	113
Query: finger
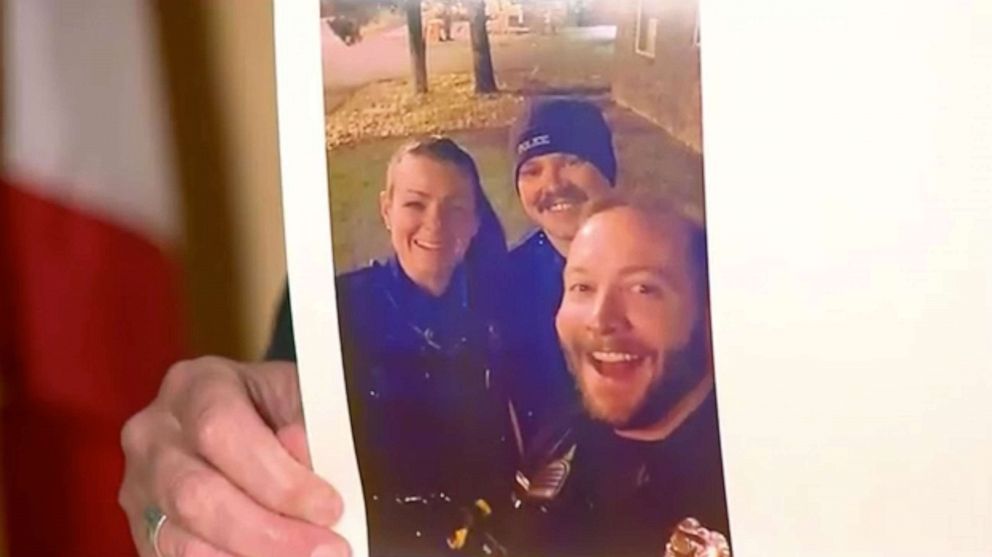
138	436
294	438
222	424
161	470
200	501
172	539
274	388
176	541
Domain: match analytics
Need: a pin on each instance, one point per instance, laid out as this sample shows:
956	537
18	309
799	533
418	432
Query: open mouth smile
560	206
614	357
616	365
428	245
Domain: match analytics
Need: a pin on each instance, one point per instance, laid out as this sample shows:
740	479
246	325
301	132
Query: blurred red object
89	280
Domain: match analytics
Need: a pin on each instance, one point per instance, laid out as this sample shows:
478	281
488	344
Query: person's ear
385	206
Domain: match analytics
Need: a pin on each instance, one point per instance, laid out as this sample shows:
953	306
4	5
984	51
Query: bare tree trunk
482	59
418	49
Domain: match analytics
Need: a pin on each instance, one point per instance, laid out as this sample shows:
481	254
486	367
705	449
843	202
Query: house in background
599	12
657	65
534	15
505	16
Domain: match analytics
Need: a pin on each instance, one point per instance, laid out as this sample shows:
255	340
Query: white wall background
849	203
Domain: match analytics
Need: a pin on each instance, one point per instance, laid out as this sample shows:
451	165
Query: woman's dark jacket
430	423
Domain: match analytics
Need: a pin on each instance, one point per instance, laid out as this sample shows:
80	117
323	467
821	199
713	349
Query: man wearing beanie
563	156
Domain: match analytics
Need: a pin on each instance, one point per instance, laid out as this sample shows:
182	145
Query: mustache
568	193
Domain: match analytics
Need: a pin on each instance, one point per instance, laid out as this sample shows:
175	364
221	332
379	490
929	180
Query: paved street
573	55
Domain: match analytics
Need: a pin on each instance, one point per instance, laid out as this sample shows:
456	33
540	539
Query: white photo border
306	209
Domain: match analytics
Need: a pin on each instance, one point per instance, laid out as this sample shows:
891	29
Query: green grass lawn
650	161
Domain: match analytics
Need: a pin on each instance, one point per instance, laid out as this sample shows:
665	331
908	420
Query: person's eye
572	160
579	288
414	205
647	289
530	171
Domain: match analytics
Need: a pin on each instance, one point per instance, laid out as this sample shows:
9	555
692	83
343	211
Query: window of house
646	31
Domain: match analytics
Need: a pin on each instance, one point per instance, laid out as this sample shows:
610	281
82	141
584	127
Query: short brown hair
697	357
657	209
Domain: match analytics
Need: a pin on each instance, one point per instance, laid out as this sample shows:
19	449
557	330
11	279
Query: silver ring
154	520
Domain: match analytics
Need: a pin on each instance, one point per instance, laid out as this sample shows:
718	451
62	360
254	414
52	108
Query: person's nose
607	314
551	177
434	219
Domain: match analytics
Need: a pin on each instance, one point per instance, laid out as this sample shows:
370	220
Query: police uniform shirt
597	494
540	385
429	423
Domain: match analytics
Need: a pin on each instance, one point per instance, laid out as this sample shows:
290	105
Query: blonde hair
437	148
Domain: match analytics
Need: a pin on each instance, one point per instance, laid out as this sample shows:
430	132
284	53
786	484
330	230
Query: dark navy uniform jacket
430	422
585	491
540	384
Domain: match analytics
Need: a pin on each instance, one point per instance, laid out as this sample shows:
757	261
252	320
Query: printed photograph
519	244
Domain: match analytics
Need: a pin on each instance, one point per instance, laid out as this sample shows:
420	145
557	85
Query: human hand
222	453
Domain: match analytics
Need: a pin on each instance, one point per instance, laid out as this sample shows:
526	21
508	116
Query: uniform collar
553	254
676	417
420	304
538	243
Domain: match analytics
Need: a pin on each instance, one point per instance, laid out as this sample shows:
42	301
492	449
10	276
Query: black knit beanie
563	125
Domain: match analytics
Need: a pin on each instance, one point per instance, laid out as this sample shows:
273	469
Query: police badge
690	539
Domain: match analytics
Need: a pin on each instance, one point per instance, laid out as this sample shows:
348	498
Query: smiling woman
418	337
428	207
